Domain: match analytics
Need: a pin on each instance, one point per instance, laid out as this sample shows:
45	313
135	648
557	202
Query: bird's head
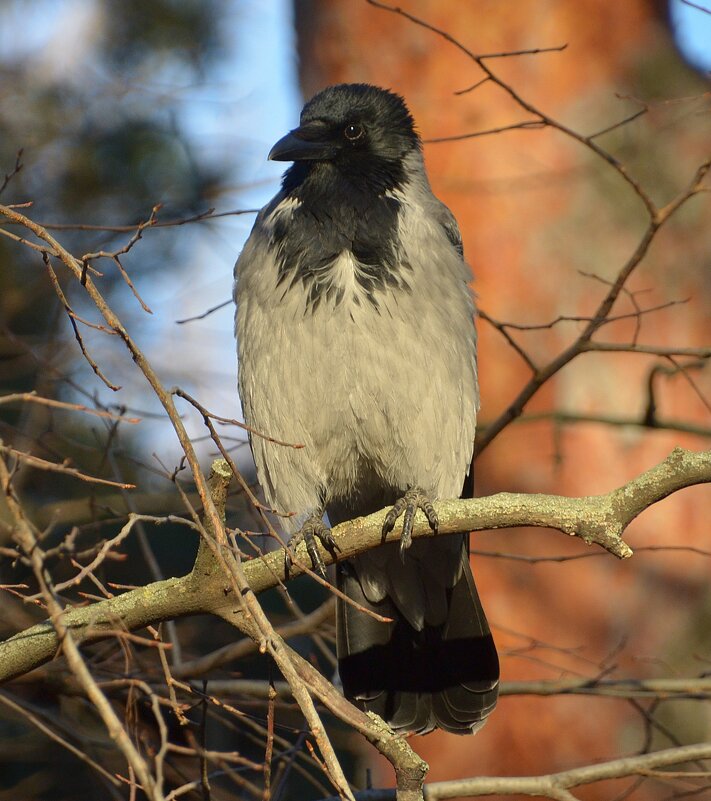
362	130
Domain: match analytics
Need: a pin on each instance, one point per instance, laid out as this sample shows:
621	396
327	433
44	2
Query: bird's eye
353	131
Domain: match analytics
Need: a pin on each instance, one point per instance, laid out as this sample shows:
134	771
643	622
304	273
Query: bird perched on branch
356	339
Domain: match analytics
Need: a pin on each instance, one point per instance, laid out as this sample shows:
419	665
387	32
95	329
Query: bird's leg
313	528
414	499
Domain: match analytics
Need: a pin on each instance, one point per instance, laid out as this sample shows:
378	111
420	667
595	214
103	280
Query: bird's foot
414	499
312	529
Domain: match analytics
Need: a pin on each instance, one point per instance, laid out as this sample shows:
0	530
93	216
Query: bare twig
206	313
73	317
696	6
33	397
207	415
699	688
526	125
43	464
13	172
617	421
114	255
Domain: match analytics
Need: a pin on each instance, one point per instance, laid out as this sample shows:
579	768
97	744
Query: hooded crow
356	339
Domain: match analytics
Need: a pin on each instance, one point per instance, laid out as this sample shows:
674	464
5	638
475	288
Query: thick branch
556	785
553	785
599	519
596	519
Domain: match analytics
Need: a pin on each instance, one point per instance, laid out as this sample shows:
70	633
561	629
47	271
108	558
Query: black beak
299	145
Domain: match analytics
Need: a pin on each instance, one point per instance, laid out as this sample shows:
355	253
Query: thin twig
43	464
13	172
33	397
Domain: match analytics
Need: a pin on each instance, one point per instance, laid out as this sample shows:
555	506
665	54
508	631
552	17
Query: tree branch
597	519
553	785
557	785
688	687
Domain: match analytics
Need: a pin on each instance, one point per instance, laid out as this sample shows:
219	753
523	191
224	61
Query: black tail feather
442	676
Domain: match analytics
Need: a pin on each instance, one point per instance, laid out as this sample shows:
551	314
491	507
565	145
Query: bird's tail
443	676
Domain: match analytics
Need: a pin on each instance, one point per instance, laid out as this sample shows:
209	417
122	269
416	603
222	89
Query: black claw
407	522
412	500
431	515
327	540
312	550
312	529
392	516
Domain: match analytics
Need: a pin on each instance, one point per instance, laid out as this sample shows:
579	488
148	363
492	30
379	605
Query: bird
356	339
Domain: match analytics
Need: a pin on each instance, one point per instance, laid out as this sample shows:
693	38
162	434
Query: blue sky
692	25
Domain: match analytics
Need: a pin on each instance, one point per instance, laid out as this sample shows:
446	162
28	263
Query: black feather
347	201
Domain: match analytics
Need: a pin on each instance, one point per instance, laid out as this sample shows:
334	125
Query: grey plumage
356	339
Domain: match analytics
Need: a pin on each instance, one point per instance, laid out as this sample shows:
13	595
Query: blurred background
113	107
